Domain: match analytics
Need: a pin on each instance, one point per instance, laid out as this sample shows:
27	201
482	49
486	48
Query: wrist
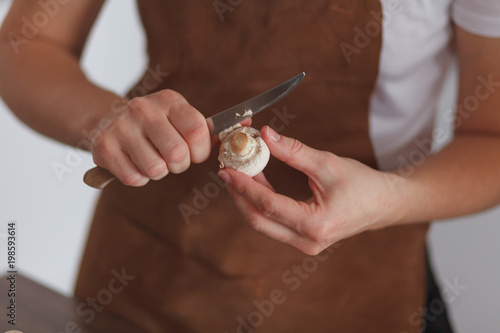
94	123
400	199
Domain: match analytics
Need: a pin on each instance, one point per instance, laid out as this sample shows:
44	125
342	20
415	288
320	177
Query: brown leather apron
198	267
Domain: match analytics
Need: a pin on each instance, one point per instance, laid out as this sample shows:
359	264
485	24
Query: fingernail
272	134
139	180
225	177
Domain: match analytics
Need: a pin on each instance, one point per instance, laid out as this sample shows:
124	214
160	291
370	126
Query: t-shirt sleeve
481	17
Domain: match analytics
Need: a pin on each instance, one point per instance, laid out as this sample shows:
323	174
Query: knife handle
98	177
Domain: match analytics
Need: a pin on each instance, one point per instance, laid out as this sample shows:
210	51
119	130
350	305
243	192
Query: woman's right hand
152	136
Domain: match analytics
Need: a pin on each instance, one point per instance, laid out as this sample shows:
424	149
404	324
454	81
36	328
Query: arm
464	177
40	77
350	197
43	84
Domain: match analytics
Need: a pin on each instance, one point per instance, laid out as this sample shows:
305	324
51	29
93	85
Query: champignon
243	149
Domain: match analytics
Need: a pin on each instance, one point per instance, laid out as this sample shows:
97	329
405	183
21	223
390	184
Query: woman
356	197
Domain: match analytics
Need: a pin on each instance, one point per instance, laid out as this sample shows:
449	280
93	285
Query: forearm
461	179
45	87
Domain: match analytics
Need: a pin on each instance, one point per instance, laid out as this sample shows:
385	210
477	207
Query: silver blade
230	117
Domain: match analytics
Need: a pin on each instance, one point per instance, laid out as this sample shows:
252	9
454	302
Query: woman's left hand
348	197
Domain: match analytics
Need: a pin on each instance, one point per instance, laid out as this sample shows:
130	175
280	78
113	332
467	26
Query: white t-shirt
416	50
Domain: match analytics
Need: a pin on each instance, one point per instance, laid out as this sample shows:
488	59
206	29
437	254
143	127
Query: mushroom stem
239	142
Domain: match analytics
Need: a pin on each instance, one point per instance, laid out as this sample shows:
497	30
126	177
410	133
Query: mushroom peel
243	149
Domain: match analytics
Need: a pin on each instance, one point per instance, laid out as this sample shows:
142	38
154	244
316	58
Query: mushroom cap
226	132
243	149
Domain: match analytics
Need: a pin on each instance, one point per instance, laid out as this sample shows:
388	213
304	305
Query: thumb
294	153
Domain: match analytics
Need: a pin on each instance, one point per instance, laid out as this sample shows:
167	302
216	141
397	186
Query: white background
53	216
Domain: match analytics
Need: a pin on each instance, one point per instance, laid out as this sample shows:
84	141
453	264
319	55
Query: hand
152	136
348	197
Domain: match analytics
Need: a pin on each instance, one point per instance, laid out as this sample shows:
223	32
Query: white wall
53	216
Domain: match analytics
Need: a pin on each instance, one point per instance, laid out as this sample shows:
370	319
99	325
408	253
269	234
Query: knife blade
98	177
230	117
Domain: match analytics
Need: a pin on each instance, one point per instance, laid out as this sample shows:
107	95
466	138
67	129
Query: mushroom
243	149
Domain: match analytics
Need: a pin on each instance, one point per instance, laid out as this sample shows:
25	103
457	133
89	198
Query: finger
268	227
120	165
275	206
193	128
188	122
144	155
261	178
296	154
259	222
247	122
170	145
215	141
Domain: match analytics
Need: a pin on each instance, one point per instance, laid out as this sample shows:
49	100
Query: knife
98	177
